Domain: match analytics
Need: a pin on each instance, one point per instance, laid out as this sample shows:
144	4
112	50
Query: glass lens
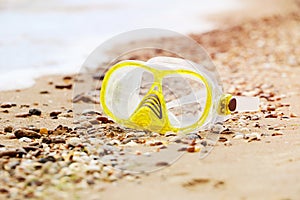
126	88
185	97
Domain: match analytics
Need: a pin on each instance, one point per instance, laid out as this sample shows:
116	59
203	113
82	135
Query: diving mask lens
185	97
126	87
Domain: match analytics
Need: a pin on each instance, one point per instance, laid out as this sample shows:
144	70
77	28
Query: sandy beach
43	154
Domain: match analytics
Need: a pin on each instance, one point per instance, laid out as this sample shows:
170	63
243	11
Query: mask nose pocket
150	113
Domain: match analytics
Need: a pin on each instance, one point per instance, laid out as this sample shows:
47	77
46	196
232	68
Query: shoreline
222	20
257	167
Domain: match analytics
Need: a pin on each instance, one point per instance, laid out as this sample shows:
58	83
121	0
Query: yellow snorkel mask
166	94
179	96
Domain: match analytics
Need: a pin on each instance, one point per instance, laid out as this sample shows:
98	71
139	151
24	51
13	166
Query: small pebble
253	136
85	99
154	143
34	144
24	106
238	136
131	144
7	105
192	149
223	139
35	111
43	131
61	130
255	117
94	122
55	113
227	143
26	133
258	135
69	86
176	139
22	115
58	140
204	143
130	178
13	153
256	124
25	139
93	168
91	131
249	135
11	136
67	78
170	134
112	178
47	159
227	132
277	133
73	141
103	119
242	123
98	76
153	134
44	92
66	115
86	124
245	130
30	148
293	115
8	129
90	112
271	108
271	115
4	191
114	142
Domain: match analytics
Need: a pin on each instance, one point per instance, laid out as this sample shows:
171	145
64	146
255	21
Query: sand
258	57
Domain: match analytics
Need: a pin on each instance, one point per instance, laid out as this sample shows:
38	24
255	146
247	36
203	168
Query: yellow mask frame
151	113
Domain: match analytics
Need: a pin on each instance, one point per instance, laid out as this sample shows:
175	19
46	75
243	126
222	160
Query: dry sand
259	57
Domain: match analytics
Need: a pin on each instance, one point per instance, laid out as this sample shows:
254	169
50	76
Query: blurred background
54	37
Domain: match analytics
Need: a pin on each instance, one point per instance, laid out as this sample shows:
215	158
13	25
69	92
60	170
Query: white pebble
131	144
245	130
74	141
227	143
175	139
114	142
257	135
238	136
25	139
93	168
148	154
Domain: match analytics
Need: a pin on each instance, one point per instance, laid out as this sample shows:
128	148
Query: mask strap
229	103
245	104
